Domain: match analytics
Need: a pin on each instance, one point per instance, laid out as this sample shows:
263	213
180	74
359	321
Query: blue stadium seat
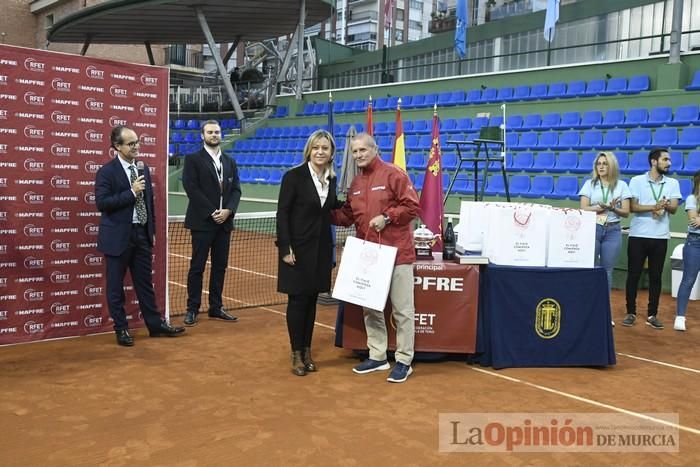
613	118
659	116
548	140
496	120
569	140
591	119
532	122
565	187
464	124
676	161
575	89
193	124
686	186
380	104
416	102
623	159
479	122
458	97
614	139
511	139
244	175
595	87
686	115
638	138
385	142
520	93
380	129
569	120
544	162
444	99
473	96
176	137
638	163
538	91
489	95
180	124
495	186
360	105
172	149
665	137
695	83
637	84
522	161
514	122
421	126
429	102
585	163
526	141
591	139
504	94
418	183
556	91
550	121
566	162
416	161
615	86
449	125
542	187
689	138
275	177
692	163
519	185
636	117
425	142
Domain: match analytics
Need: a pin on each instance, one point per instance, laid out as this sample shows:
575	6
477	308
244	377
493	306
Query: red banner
56	114
446	299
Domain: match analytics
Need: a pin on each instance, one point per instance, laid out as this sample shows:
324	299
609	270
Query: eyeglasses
131	144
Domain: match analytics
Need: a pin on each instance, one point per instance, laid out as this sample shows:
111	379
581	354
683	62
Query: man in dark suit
214	191
126	235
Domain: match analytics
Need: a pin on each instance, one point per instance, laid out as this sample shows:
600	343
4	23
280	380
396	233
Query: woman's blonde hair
313	139
613	169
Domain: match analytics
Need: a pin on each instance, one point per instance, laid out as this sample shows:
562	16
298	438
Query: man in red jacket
382	201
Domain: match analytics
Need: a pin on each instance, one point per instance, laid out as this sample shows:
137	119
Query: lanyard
605	193
653	192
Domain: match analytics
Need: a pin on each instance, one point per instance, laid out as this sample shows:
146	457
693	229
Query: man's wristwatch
387	219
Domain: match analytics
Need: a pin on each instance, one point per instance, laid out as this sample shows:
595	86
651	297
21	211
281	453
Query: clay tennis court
223	395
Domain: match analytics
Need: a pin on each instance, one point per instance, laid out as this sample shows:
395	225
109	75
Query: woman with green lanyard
609	198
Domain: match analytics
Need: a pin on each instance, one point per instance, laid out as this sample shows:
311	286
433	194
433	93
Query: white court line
229	267
657	362
592	402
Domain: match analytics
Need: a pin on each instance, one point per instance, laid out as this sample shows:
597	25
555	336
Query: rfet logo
58	308
147	140
92	167
118	91
32	165
30	131
61	118
94	72
32	98
59	182
32	65
89	197
31	262
117	121
92	260
91	321
94	104
58	277
59	214
59	246
113	153
57	149
91	229
148	110
91	290
148	80
32	327
93	136
3	114
32	295
33	198
57	84
31	230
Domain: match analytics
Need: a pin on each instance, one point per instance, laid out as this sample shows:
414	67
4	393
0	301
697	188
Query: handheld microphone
140	168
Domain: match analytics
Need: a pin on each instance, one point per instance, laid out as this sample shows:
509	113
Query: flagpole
549	47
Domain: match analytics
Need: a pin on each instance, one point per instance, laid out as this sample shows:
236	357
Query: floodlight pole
674	55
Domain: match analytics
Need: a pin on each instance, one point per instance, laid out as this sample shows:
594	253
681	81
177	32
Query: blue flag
461	29
550	19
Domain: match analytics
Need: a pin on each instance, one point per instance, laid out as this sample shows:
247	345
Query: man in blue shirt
654	197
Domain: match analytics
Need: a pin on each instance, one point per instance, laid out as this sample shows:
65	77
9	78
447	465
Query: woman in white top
609	198
691	254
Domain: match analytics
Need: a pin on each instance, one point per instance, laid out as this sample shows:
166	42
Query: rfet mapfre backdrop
56	114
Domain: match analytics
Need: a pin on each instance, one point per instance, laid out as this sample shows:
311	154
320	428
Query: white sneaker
679	323
613	323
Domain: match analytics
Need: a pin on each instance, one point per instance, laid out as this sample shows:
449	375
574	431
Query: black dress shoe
124	338
190	318
221	314
166	330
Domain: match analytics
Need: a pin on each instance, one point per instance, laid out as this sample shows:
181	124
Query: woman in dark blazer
307	195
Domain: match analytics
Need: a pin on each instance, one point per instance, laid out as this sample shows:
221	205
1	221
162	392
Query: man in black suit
214	191
126	235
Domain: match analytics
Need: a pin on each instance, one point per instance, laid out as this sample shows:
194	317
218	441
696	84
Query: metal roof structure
175	21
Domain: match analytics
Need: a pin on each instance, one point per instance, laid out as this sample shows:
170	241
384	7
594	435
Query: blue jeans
691	267
608	243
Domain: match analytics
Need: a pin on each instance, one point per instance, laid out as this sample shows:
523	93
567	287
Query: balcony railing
181	55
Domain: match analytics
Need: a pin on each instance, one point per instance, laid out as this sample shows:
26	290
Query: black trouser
638	250
301	314
217	241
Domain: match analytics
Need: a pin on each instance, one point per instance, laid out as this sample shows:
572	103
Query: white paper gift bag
364	274
571	239
517	235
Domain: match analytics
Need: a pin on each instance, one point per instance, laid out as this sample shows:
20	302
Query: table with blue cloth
544	317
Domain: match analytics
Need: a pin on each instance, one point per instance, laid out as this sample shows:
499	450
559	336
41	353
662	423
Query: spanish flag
399	154
431	203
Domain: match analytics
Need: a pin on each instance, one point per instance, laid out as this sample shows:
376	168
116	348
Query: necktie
140	203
